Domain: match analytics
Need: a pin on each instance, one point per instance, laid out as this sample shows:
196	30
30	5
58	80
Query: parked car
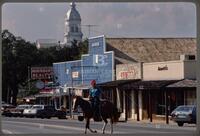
79	113
44	111
18	111
5	109
184	114
32	112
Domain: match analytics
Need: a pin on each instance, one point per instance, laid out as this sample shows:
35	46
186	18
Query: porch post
166	107
137	105
150	106
132	104
140	104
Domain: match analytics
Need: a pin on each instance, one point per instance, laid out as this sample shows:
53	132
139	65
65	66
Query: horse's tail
116	115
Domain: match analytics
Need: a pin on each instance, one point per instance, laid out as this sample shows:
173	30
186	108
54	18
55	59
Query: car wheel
180	124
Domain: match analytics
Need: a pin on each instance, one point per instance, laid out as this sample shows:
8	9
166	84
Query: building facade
146	98
140	82
96	65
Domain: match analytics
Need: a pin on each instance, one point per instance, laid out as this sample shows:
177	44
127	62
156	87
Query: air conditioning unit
187	57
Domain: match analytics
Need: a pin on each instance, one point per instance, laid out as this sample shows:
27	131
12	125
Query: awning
141	85
117	83
185	83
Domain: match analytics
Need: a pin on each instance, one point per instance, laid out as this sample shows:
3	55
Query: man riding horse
94	96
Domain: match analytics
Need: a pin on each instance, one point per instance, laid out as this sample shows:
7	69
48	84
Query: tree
19	54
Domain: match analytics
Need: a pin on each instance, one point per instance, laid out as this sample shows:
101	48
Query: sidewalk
163	122
159	124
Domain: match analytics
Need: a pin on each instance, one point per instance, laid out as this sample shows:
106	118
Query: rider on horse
94	96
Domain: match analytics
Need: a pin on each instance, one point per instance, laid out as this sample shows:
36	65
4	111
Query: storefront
96	65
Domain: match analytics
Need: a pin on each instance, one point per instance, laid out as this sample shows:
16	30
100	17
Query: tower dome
72	26
73	14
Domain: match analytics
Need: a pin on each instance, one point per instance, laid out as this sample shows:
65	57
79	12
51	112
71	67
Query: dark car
184	114
44	111
5	109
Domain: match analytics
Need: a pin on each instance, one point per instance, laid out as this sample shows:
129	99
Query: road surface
68	126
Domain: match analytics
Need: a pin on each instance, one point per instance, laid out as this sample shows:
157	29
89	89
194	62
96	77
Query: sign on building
75	74
128	71
42	73
98	64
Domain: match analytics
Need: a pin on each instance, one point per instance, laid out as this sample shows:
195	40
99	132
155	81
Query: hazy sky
39	21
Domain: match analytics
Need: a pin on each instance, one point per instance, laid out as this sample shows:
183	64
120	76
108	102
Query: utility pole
29	86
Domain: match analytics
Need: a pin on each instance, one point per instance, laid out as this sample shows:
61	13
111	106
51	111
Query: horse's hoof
95	131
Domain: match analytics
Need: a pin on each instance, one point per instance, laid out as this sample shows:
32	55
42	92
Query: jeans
95	105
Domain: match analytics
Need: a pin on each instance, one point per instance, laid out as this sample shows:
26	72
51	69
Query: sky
135	20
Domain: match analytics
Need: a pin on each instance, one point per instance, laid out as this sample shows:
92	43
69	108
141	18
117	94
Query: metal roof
185	83
117	83
144	85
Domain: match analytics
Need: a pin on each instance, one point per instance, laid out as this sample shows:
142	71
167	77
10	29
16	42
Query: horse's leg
111	125
88	126
104	125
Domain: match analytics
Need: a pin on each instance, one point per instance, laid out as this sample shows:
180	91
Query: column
133	104
123	115
140	104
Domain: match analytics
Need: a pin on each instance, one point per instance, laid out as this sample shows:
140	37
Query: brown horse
107	111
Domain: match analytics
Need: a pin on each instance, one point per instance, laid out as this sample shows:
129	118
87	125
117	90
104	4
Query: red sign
41	73
47	91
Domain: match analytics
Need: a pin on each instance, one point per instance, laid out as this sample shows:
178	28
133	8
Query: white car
31	112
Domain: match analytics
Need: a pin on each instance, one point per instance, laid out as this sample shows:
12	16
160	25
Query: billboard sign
41	73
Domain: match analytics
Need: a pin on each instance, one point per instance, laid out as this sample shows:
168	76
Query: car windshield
23	106
184	108
37	107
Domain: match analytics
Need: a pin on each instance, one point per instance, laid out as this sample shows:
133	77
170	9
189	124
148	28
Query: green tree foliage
19	54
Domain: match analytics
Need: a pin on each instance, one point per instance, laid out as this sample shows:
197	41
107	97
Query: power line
89	28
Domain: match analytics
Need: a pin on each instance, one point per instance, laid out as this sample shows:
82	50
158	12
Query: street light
14	71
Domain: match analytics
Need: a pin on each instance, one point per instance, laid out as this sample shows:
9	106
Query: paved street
56	126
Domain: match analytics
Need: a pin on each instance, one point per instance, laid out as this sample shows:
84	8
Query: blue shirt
95	92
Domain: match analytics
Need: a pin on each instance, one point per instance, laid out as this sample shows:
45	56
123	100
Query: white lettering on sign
67	71
95	44
99	60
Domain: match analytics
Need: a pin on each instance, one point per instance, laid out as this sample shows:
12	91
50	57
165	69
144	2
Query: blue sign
68	73
100	63
96	65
